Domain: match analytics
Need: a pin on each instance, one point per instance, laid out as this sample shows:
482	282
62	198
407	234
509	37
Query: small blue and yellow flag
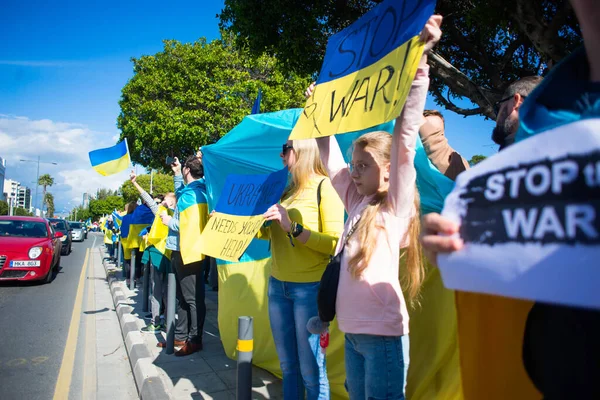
193	214
111	160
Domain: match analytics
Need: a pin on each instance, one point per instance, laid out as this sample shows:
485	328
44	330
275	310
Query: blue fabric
303	364
253	147
566	95
376	366
256	106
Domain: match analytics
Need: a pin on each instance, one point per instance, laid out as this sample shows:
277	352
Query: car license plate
24	264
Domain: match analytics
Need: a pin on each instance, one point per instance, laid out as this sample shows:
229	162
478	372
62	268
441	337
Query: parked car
62	226
78	231
29	249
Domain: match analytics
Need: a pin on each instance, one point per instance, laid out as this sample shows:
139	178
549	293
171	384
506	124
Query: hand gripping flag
111	160
193	214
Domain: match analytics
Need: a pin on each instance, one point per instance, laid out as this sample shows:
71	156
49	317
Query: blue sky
62	67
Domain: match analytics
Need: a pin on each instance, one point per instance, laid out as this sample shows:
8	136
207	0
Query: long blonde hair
380	143
308	164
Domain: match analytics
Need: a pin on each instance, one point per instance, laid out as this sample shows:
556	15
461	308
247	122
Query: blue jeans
376	366
303	365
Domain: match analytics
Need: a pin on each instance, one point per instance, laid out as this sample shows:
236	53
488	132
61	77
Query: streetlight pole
37	180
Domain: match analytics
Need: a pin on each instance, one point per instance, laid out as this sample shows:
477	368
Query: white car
78	231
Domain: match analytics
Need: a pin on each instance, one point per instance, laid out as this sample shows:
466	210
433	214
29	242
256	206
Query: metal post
171	313
244	349
132	271
37	184
145	287
119	254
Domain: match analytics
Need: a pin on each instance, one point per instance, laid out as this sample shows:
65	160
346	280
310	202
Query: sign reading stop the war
530	220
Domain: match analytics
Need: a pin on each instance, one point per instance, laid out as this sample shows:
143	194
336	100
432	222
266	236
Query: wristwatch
297	229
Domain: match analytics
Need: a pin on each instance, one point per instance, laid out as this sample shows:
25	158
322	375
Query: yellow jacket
306	262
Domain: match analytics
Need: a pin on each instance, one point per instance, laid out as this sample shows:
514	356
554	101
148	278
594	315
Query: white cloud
67	144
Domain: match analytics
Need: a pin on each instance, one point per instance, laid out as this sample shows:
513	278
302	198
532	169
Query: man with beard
507	110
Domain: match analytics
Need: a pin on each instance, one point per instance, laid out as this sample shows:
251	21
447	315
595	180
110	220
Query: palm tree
45	181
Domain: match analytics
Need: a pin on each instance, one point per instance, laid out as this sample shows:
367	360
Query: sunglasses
499	103
285	148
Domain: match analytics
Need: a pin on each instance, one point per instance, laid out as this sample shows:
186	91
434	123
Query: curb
147	378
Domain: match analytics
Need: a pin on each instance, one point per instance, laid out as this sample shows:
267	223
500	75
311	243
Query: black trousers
561	351
191	308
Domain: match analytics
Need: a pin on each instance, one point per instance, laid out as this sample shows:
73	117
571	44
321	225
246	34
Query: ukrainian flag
111	160
157	236
193	215
140	219
125	224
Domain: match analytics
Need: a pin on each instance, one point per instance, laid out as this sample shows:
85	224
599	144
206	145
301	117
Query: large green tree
99	207
191	94
45	181
161	184
486	43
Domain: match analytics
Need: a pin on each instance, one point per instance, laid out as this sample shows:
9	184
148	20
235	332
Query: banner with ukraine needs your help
367	71
239	213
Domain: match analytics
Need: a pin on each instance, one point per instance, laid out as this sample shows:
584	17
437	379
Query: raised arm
337	169
146	198
403	176
331	215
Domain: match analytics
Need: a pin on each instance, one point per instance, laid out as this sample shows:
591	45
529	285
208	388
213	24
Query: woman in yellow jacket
309	221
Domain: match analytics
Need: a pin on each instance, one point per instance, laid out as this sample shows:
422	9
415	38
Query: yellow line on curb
63	384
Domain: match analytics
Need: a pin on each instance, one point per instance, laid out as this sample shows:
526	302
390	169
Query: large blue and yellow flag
367	71
111	160
157	236
253	147
193	214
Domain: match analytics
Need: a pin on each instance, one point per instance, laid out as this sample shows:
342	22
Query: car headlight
35	252
62	239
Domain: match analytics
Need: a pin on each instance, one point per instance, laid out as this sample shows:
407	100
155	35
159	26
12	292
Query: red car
29	249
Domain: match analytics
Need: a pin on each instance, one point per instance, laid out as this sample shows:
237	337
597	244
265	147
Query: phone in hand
170	160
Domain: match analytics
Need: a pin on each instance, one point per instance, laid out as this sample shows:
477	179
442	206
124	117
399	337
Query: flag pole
129	154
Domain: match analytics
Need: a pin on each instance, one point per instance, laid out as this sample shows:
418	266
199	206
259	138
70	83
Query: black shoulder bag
328	288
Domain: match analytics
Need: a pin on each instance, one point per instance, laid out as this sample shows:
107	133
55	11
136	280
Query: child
379	194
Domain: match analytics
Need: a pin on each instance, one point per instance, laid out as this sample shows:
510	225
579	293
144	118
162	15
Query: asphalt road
34	322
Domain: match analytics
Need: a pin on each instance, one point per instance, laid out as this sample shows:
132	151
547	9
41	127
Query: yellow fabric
306	262
227	236
326	115
192	221
108	236
243	292
434	371
490	332
159	231
114	166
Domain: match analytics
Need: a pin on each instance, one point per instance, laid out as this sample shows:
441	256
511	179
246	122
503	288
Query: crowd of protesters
377	191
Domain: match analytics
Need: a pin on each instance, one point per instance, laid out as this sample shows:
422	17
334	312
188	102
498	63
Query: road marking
89	387
63	384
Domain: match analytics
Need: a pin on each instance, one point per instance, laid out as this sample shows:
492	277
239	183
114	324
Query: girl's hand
431	33
309	92
132	176
278	213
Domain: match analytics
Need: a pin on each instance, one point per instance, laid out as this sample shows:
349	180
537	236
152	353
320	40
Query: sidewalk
208	374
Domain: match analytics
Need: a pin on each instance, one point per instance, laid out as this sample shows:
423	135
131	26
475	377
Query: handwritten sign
239	213
367	71
530	219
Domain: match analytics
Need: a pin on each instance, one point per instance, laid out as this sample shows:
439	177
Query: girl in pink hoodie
378	190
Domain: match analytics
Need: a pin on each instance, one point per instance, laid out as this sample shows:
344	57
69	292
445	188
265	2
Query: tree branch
449	105
461	85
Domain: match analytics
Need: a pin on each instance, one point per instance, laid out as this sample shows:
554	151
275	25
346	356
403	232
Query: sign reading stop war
367	71
530	220
239	213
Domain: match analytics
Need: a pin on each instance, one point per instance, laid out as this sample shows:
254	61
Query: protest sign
367	71
239	213
529	220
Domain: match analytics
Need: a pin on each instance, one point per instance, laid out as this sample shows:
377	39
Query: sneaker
151	328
